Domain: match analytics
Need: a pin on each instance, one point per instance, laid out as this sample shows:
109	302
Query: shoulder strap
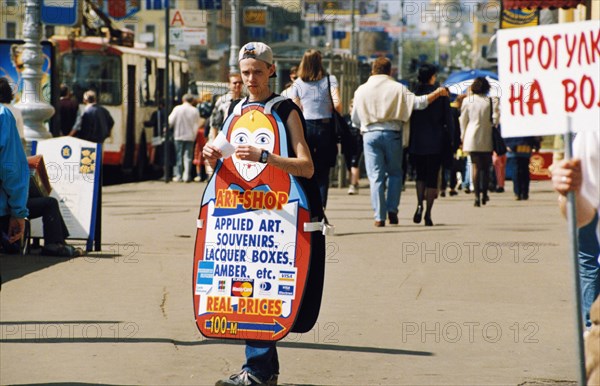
271	104
237	110
330	97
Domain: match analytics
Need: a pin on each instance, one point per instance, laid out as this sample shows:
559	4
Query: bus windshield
93	71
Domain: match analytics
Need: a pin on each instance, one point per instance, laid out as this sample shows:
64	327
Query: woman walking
310	92
430	141
479	114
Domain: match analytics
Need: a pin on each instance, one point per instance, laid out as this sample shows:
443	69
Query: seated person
55	230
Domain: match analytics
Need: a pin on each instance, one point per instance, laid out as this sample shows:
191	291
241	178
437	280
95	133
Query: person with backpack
256	65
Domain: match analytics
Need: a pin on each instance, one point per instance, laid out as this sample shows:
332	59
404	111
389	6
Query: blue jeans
261	359
467	174
184	151
589	270
383	161
323	150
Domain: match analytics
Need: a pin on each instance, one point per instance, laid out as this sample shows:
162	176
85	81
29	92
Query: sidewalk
482	298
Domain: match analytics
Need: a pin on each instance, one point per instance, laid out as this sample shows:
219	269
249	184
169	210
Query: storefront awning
516	4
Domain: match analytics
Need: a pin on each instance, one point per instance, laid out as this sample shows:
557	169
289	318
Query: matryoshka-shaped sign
252	253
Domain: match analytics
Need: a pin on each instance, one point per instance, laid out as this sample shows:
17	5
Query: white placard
547	73
73	167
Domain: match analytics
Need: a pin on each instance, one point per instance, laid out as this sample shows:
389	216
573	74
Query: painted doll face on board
255	129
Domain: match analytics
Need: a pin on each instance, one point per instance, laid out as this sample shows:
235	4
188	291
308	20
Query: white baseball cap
256	50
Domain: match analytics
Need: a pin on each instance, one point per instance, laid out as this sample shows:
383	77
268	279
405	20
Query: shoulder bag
498	142
342	130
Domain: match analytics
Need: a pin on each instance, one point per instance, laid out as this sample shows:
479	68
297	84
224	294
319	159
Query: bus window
93	71
148	86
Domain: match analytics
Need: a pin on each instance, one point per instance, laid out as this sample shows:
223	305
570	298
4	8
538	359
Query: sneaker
353	189
244	378
176	179
197	179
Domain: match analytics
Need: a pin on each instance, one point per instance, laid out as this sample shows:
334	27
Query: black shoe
467	190
443	193
485	199
525	196
477	203
453	193
393	217
428	221
61	250
499	189
418	214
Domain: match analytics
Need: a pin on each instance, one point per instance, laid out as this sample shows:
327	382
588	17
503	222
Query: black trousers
55	230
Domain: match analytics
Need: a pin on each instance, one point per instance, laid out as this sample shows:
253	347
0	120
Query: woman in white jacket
479	114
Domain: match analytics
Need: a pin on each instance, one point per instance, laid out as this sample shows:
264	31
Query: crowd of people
443	135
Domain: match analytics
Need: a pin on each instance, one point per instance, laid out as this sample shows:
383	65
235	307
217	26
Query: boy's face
255	74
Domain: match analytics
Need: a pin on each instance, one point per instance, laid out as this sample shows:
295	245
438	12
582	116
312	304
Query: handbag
498	144
342	129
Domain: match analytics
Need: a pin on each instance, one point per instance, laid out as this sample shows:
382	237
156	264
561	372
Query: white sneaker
176	179
197	179
353	189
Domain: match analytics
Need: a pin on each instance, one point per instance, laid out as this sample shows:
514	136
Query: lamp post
34	108
235	36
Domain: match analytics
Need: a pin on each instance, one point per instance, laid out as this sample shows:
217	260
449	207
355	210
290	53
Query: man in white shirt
222	104
381	107
185	120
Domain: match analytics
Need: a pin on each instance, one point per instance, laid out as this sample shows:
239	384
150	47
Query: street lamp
34	108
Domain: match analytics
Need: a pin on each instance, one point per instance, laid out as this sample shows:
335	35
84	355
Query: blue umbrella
458	82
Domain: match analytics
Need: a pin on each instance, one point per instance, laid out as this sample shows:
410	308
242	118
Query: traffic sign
61	12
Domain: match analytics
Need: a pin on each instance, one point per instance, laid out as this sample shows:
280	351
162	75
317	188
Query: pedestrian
256	65
353	155
519	150
68	108
14	175
499	164
95	123
223	102
382	106
185	120
158	123
456	164
581	175
479	114
430	143
201	138
6	100
310	92
288	86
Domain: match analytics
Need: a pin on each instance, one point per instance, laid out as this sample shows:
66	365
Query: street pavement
485	297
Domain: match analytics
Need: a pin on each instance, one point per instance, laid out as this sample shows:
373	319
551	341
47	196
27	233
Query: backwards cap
256	50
